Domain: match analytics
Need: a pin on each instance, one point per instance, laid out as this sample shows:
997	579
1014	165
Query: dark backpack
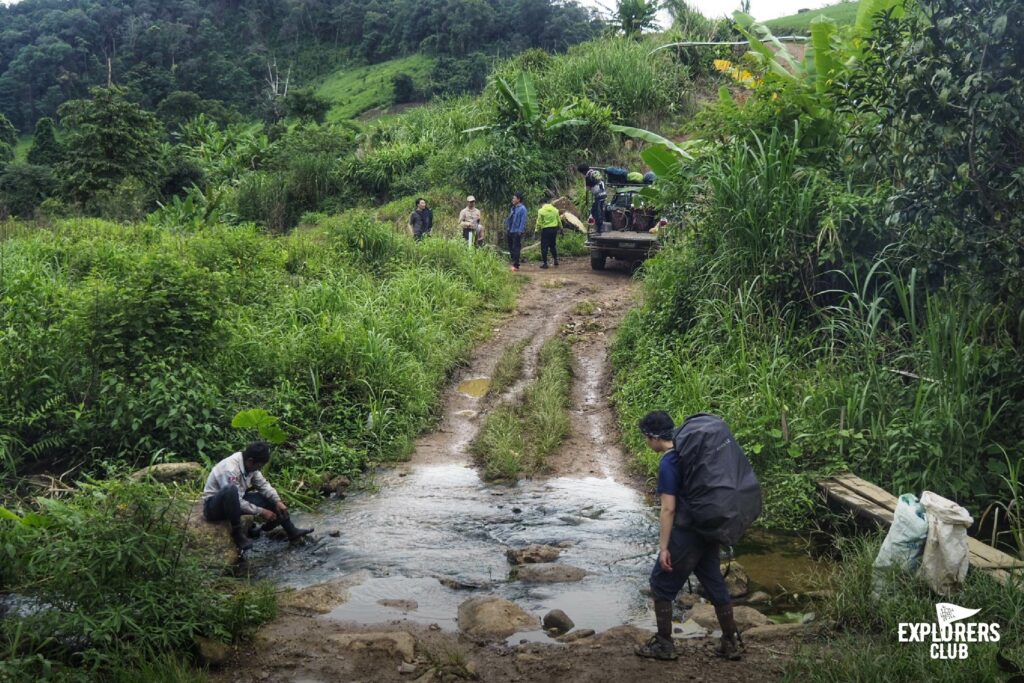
721	497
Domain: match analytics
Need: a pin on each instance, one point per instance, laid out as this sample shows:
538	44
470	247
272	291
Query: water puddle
474	388
438	536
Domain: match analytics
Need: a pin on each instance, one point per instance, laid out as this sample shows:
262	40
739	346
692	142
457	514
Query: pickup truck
629	231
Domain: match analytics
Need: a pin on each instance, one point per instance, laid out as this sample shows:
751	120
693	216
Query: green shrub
117	579
863	645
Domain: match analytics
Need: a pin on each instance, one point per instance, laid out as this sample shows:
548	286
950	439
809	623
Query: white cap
470	198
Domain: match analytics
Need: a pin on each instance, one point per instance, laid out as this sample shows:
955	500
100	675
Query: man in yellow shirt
548	222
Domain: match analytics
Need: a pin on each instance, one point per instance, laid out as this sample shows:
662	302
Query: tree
8	133
46	150
305	105
404	88
108	140
23	187
636	15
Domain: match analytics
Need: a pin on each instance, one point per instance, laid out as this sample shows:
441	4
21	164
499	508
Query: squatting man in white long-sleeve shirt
227	496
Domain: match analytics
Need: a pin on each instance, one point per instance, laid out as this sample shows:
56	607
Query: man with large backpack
596	187
709	497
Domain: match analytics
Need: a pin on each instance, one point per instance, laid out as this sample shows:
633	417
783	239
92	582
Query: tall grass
509	368
517	437
640	87
818	360
122	342
863	645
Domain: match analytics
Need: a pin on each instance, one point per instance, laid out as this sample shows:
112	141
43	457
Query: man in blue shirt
681	551
515	225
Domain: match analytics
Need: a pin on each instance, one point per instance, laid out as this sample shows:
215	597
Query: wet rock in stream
533	554
558	622
493	617
549	572
746	617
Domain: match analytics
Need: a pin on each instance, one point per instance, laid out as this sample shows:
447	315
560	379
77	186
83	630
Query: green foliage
636	16
117	581
306	105
46	150
122	342
619	73
957	174
863	645
108	140
798	297
843	13
23	187
518	437
403	88
221	53
356	89
8	133
264	424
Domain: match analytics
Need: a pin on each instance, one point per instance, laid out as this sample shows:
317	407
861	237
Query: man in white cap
469	219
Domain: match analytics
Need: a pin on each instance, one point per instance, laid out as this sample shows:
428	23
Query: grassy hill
843	13
353	91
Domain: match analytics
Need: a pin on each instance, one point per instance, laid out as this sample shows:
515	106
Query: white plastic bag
945	560
904	543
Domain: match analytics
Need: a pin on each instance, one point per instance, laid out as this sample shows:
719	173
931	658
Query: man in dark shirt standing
421	220
681	551
596	187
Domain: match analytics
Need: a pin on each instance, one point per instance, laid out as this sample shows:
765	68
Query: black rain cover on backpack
721	497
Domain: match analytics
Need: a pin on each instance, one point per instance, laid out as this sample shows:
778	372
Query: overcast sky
762	9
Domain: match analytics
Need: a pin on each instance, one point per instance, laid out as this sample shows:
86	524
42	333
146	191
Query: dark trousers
469	235
224	505
549	242
597	212
515	246
418	233
691	554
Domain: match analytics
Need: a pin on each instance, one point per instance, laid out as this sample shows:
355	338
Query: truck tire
597	260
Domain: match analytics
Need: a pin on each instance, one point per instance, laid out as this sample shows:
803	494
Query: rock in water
758	597
171	472
576	635
736	579
493	617
318	599
558	621
398	603
549	572
533	554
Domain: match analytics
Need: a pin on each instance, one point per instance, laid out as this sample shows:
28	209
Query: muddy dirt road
376	596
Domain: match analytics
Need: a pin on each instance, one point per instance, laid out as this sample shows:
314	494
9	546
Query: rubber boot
294	533
729	646
238	536
660	646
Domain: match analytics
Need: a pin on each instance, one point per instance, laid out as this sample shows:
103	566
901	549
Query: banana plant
522	99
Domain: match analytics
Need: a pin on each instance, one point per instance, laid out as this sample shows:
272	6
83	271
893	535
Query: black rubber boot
660	646
294	533
731	642
238	536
